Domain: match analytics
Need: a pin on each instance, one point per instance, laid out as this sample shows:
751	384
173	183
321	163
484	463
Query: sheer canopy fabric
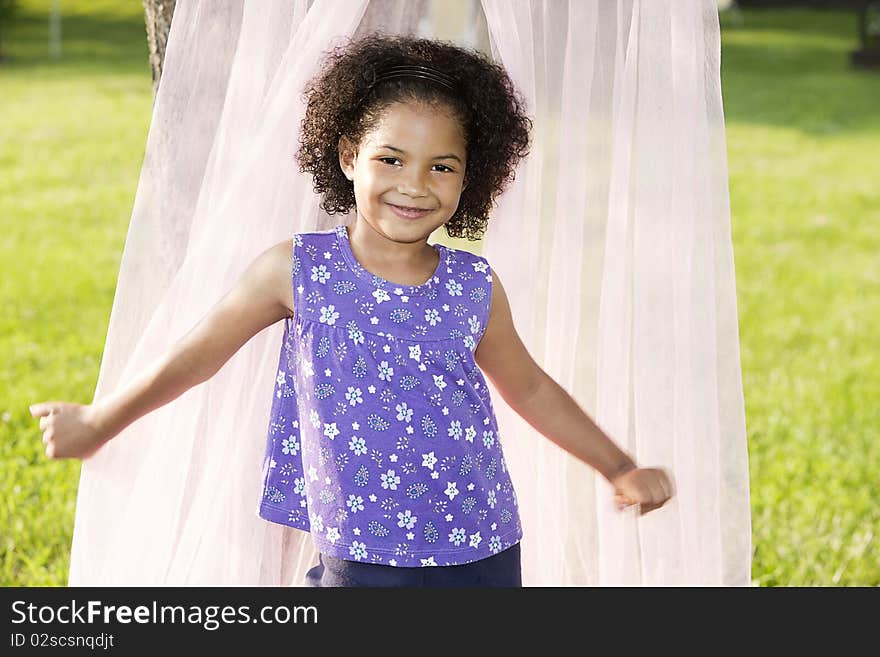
613	243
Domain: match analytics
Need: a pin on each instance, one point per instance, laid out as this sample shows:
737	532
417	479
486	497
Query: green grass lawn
803	142
803	135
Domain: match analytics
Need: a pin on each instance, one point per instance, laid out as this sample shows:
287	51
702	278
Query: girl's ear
347	157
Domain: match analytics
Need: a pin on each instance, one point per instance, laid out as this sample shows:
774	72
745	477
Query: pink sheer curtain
613	243
624	280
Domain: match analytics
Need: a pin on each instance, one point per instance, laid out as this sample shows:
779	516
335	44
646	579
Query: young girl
383	442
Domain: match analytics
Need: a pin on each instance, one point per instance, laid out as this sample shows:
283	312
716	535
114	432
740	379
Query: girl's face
414	158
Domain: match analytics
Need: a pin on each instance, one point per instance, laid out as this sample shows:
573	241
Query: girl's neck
410	263
366	241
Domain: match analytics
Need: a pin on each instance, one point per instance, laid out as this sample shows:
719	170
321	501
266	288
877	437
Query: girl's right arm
262	296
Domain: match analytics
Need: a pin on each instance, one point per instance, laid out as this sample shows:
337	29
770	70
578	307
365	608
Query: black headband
415	71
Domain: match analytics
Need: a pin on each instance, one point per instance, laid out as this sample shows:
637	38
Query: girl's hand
647	488
69	430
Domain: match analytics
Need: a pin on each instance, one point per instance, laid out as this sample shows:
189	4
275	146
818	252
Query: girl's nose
412	185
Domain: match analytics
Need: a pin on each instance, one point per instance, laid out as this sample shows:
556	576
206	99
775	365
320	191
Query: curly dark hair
341	102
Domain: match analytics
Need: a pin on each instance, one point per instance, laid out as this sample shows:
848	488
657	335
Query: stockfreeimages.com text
209	616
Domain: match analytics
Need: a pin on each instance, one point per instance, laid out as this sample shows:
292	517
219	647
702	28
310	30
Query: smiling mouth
410	214
410	209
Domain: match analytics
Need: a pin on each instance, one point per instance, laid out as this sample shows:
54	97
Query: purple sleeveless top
382	441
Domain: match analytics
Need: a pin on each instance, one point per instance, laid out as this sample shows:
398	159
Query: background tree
158	14
7	10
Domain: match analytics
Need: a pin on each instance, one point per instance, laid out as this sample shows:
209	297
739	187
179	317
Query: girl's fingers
43	409
652	491
658	495
670	484
658	488
667	488
625	503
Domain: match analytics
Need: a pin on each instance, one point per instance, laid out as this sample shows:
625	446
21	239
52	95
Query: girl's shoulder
302	237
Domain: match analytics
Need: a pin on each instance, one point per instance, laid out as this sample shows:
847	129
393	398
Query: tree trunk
158	15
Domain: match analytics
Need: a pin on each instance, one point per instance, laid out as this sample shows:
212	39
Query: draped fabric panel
623	285
613	243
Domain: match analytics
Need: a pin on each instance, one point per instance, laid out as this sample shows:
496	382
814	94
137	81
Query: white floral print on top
399	461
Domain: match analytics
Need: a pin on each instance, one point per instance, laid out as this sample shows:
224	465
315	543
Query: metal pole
55	30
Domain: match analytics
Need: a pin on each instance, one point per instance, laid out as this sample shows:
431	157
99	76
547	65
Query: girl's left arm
546	406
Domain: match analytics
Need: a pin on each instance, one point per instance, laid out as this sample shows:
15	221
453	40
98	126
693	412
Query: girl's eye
394	159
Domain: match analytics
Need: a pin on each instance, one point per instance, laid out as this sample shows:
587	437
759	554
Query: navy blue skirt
501	569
